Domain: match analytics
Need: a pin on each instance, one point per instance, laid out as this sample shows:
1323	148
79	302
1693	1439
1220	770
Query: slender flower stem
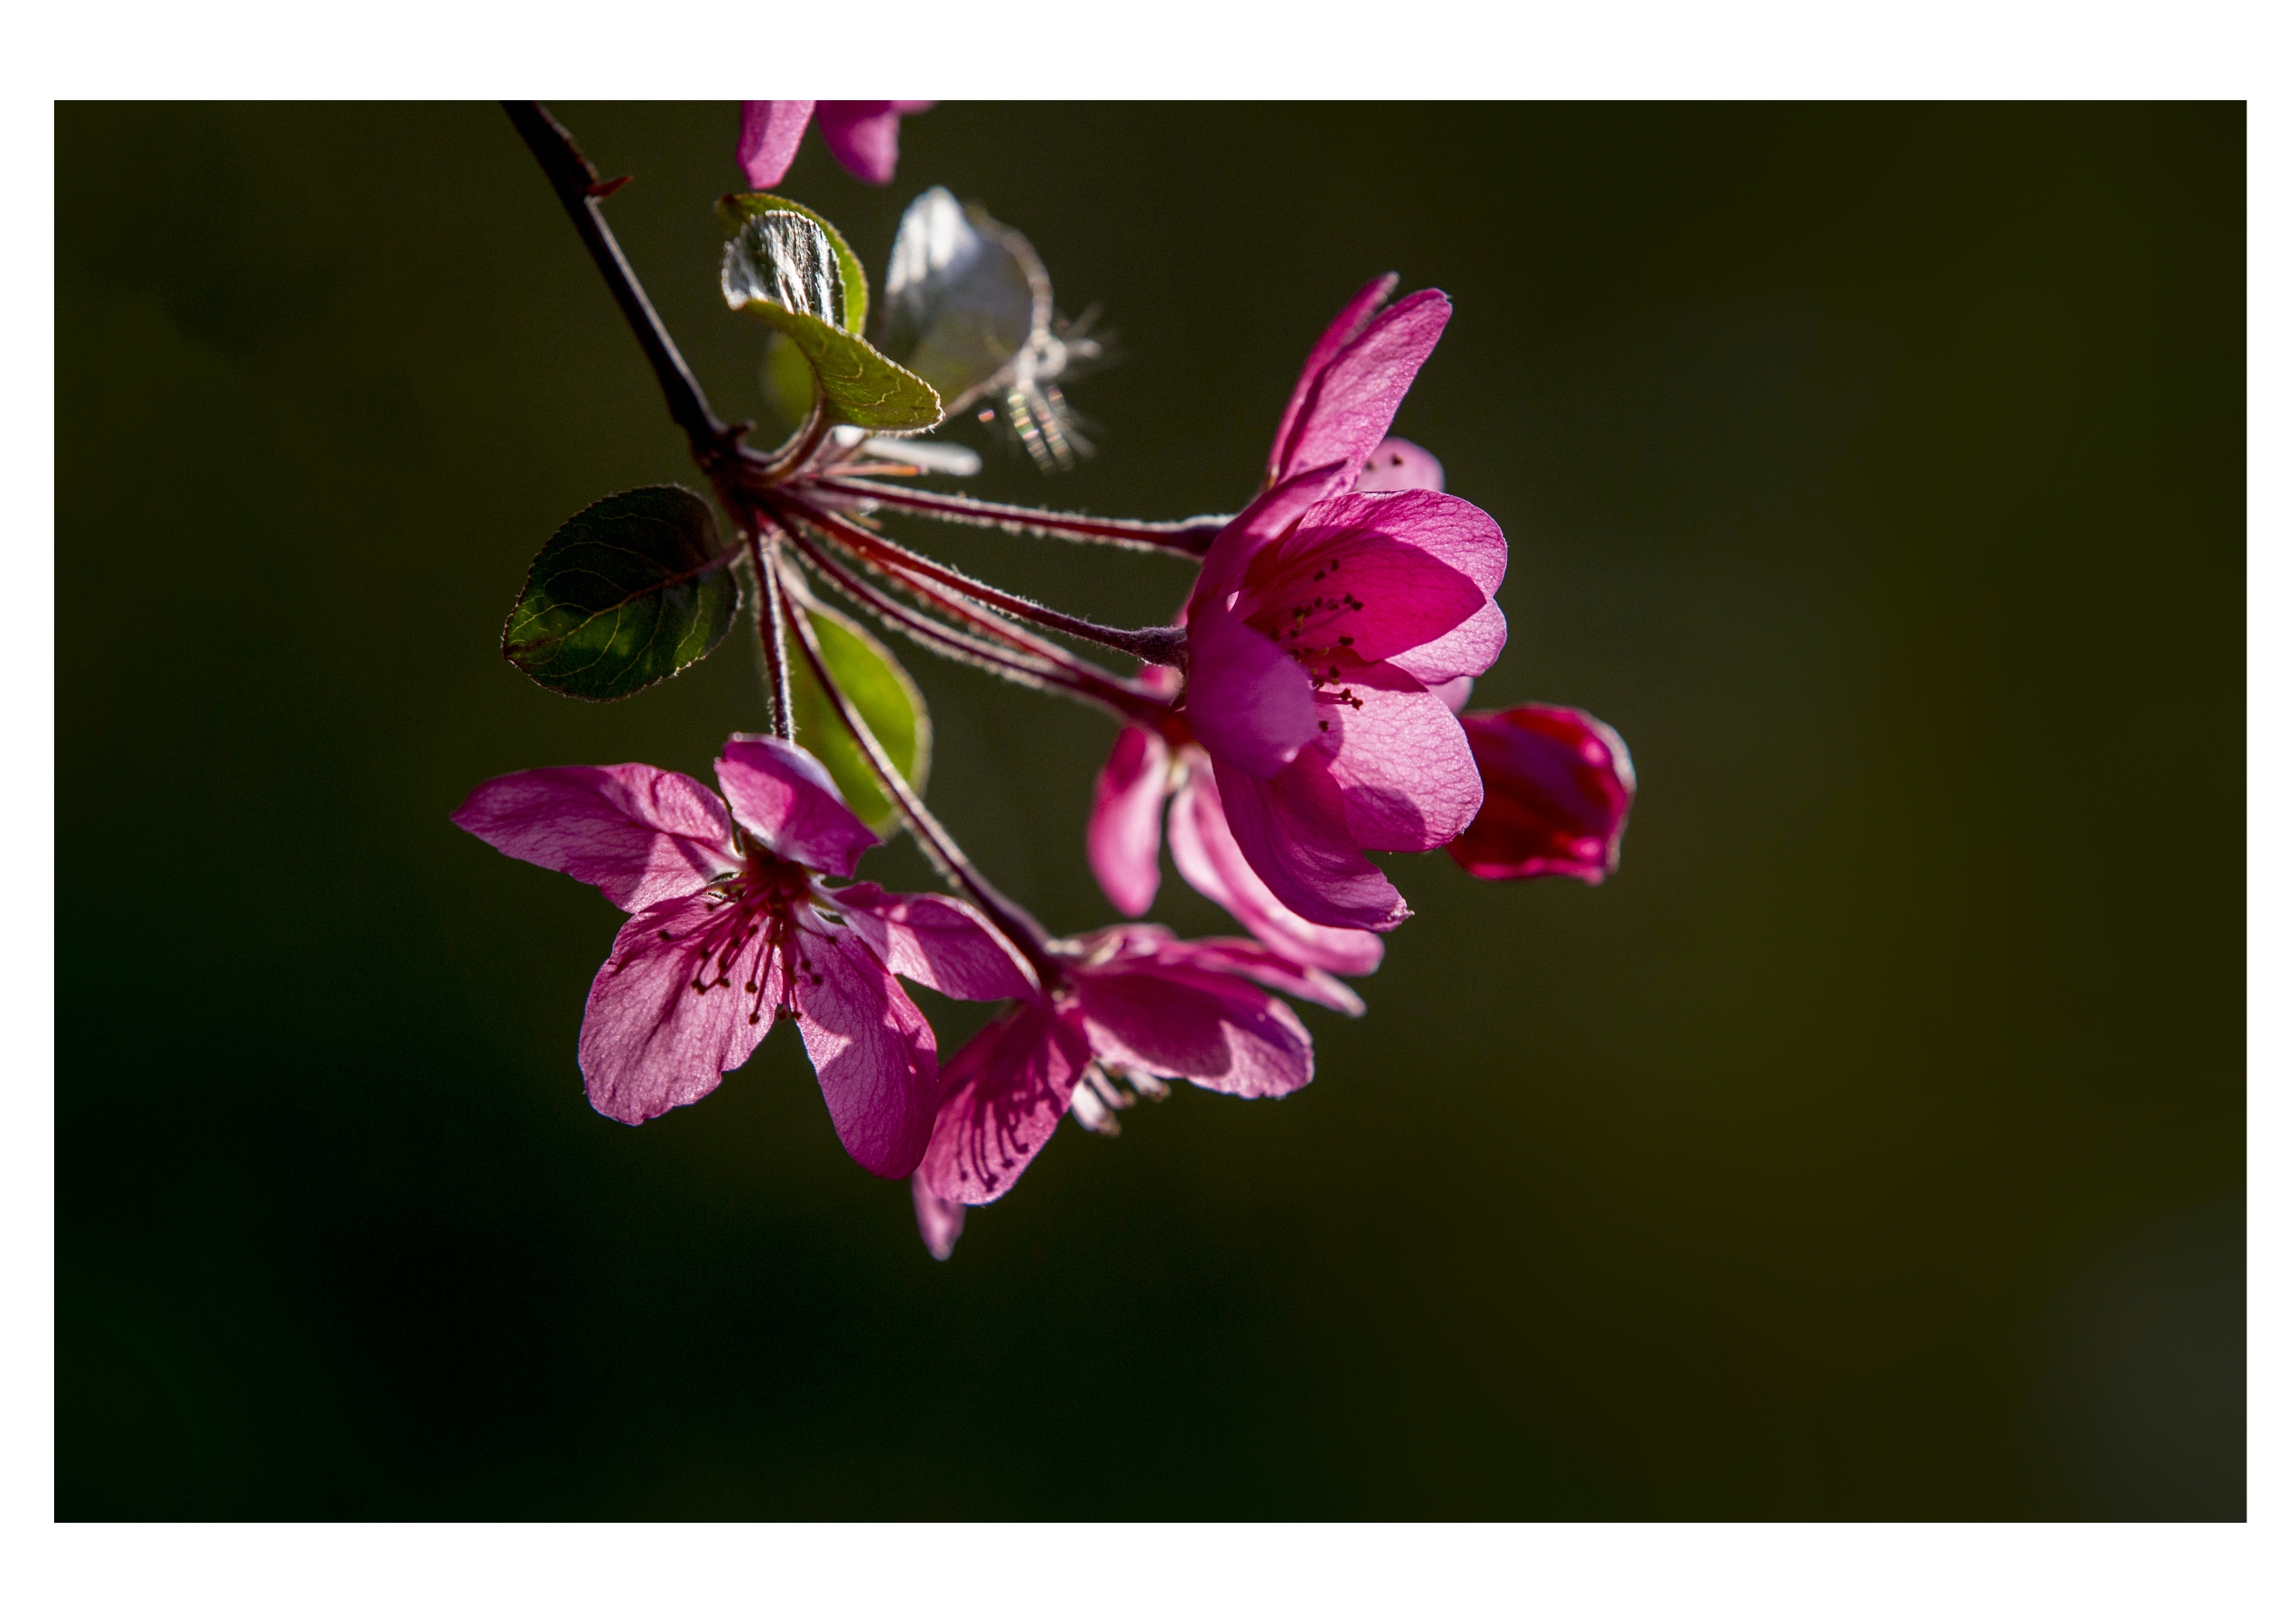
939	845
1054	672
1149	645
714	443
961	644
781	714
1185	537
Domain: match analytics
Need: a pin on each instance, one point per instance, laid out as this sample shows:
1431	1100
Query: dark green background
1872	1145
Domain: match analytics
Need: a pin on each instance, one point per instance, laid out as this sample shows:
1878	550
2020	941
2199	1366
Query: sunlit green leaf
628	592
888	703
781	267
787	378
734	210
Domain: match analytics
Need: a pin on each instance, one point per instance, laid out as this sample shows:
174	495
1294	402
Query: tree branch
576	183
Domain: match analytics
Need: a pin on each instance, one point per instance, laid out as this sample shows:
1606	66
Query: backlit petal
1353	401
1333	341
1208	859
1248	702
782	795
770	132
636	832
1396	464
1293	831
936	940
872	1052
1401	762
1457	657
651	1042
1002	1097
1172	1017
865	135
1126	830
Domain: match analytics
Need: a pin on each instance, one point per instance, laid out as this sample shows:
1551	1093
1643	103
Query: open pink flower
1323	616
1557	786
732	929
864	136
1134	1003
1126	834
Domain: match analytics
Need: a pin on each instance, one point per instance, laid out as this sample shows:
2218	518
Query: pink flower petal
1396	464
1558	786
1452	531
1170	1016
1248	702
872	1052
938	1221
1457	657
1232	955
1002	1097
1272	512
1452	693
937	942
1293	830
782	795
638	833
650	1042
1333	340
1126	823
1354	400
1357	575
1406	775
770	132
1208	859
865	135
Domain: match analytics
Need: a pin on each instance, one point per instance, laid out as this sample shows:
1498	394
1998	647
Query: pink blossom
1322	616
732	929
1556	784
1126	835
864	136
1130	1004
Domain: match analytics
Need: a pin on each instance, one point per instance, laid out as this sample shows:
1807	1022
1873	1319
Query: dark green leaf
964	296
628	592
781	267
888	703
734	210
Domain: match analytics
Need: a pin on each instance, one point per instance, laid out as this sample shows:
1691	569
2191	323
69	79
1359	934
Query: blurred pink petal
770	132
1293	830
1128	808
865	135
1396	464
938	1221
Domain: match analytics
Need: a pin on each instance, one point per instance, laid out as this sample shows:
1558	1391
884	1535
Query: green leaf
780	266
888	703
787	379
734	210
628	592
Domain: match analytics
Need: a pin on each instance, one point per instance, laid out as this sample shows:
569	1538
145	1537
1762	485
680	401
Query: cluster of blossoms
1305	709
